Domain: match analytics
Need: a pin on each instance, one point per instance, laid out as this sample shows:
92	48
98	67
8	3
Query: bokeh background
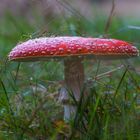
85	7
29	106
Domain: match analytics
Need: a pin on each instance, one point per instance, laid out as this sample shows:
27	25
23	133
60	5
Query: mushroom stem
74	80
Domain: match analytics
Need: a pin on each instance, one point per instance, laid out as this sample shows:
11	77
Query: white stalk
74	82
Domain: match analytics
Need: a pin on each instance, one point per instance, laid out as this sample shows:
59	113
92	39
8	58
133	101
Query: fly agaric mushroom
72	50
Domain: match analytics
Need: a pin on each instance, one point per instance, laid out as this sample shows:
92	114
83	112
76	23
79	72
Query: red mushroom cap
40	48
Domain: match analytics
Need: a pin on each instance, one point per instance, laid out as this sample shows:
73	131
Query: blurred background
28	8
25	86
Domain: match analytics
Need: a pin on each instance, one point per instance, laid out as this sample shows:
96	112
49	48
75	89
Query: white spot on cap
43	52
35	51
68	50
79	49
23	52
51	53
61	49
